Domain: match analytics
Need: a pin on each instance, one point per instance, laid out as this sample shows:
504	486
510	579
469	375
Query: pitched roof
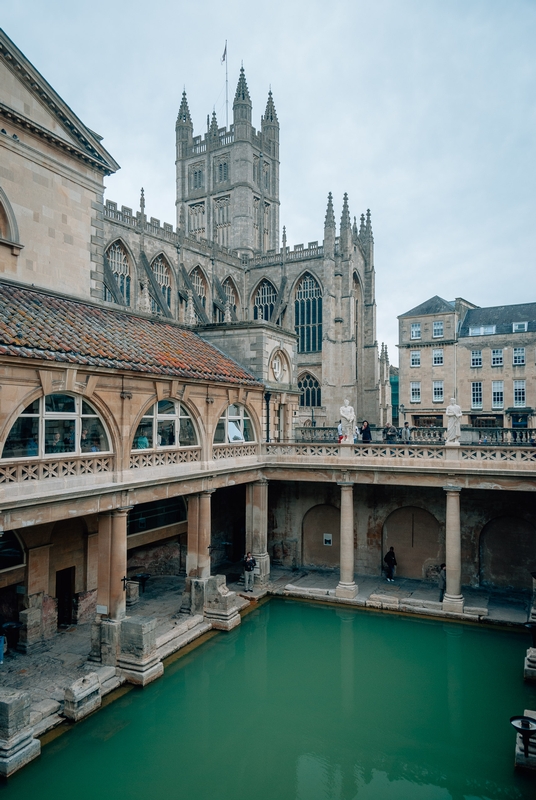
48	327
500	316
435	305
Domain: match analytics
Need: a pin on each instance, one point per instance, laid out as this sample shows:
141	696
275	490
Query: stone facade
484	357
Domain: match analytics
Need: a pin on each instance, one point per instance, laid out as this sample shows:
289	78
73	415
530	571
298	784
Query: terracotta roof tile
42	326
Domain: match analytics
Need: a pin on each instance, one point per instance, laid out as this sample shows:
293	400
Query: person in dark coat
442	581
390	561
364	430
249	574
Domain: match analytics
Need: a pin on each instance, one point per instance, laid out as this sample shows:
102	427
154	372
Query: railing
21	471
308	433
220	451
163	458
485	436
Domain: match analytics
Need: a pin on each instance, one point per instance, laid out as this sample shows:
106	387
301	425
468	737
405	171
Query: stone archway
507	553
416	536
321	537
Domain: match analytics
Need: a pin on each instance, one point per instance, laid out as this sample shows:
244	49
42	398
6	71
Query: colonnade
112	546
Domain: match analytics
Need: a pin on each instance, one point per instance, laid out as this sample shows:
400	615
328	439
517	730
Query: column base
262	570
529	671
522	760
347	590
18	751
453	603
140	672
212	598
82	697
110	630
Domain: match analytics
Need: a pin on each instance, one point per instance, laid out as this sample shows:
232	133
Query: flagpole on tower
224	58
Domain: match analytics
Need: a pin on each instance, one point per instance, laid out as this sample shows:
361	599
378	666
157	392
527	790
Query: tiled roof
501	316
436	305
37	325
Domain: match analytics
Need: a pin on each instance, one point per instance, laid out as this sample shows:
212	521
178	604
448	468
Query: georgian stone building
485	357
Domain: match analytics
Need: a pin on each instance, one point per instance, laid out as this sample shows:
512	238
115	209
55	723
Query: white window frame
151	422
518	356
476	358
415	391
438	329
482	330
437	358
520	394
235	426
438	393
497	394
476	393
496	359
415	330
519	327
415	358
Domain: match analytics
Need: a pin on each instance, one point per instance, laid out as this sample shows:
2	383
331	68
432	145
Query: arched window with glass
308	315
119	264
11	551
310	391
234	426
199	284
167	424
264	301
55	424
162	273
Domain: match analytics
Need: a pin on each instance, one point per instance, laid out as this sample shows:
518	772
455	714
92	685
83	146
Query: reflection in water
303	702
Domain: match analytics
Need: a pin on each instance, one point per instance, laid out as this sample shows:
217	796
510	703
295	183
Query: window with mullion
308	315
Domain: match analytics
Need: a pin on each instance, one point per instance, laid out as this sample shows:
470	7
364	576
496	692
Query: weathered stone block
17	745
211	597
138	659
133	593
82	697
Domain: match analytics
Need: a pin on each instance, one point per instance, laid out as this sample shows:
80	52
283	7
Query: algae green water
304	702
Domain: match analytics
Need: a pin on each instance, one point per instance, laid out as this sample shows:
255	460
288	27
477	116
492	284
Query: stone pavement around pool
47	673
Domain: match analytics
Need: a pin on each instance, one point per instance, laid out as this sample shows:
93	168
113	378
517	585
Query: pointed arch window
231	297
199	284
308	315
118	260
311	393
264	302
57	423
162	273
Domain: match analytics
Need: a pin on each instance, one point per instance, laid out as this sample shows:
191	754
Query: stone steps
181	635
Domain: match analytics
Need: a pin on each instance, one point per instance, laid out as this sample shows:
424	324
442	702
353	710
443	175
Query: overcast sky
423	111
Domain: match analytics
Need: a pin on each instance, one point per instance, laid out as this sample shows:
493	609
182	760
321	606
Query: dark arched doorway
416	536
507	553
321	537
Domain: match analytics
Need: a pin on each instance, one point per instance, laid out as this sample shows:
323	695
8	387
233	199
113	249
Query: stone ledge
176	643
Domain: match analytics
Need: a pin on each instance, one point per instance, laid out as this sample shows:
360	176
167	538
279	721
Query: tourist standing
405	433
442	581
249	575
390	561
366	435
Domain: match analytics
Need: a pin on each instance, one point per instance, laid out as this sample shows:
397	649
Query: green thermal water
309	703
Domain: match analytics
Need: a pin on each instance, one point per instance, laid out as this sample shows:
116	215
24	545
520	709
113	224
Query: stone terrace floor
47	673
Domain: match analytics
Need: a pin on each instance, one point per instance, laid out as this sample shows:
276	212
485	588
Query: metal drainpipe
267	397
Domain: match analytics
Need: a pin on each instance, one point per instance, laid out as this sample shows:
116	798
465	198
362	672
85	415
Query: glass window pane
23	439
166	433
187	433
59	436
87	410
93	438
11	552
248	430
166	407
234	433
144	435
219	434
33	408
60	404
234	411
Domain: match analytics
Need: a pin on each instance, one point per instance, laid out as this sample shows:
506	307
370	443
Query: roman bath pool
307	702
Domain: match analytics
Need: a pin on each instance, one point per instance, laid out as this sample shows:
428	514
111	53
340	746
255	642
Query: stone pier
17	743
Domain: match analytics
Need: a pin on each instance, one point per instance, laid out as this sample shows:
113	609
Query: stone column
118	563
204	535
257	528
347	586
453	599
193	534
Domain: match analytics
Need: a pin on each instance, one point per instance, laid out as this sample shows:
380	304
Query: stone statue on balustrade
347	422
454	415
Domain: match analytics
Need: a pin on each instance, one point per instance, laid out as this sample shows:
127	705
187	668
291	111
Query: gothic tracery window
162	274
311	393
118	260
308	315
264	302
196	219
222	220
200	285
231	296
